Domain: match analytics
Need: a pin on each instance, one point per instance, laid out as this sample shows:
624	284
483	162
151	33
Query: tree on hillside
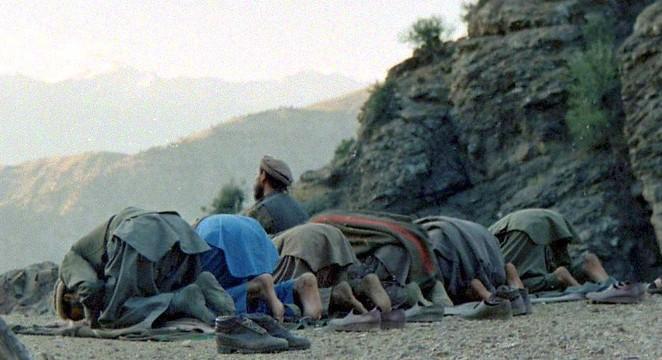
427	33
230	200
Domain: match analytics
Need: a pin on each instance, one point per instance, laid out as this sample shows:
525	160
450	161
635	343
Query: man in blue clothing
242	258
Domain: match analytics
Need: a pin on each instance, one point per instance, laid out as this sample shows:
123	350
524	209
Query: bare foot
264	284
342	295
309	295
512	276
564	276
372	288
479	289
594	269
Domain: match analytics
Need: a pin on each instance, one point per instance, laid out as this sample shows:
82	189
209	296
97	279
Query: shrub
380	106
591	117
230	200
426	32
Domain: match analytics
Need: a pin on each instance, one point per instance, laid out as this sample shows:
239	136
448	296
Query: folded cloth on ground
175	330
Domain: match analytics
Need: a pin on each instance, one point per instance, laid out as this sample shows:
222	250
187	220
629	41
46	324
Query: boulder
28	290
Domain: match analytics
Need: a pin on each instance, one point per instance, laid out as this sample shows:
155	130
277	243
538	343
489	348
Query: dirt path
557	331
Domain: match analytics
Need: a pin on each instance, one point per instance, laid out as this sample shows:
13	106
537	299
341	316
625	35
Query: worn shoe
418	313
506	292
242	335
589	287
619	293
277	330
521	304
395	319
352	322
655	287
495	309
524	293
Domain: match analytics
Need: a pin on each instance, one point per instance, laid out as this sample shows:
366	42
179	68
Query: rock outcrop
475	129
28	290
641	75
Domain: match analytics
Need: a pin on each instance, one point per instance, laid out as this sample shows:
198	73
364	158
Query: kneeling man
242	258
536	242
137	268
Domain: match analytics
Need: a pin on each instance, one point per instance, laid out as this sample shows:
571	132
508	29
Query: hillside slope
47	204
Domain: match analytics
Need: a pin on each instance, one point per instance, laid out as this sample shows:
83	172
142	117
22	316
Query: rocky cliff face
475	129
641	75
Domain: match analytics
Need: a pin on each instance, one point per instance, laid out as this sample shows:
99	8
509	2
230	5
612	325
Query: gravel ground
555	331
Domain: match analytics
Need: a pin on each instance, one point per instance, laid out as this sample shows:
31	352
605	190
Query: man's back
278	212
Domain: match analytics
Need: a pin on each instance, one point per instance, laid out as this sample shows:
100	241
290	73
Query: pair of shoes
494	309
521	304
263	335
619	293
418	313
357	322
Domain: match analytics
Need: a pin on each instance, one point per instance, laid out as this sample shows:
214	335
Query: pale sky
236	40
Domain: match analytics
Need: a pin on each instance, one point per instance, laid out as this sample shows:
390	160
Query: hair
277	185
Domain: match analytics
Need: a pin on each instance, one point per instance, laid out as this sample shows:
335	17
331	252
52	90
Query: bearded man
274	208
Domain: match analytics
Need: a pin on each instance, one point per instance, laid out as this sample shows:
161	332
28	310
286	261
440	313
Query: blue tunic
240	251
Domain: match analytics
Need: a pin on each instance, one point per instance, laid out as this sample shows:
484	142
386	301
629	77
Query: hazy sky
234	40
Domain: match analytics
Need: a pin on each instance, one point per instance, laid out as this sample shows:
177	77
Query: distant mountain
128	111
47	204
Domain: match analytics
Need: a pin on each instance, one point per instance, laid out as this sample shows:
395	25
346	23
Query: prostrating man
275	209
324	251
142	268
472	267
398	253
536	242
242	258
137	268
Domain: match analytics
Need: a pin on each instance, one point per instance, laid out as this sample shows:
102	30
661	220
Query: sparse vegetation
427	32
230	200
343	149
380	106
591	117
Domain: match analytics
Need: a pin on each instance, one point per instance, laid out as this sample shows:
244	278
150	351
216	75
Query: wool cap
277	169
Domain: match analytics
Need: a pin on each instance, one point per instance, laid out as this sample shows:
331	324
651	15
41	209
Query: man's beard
258	191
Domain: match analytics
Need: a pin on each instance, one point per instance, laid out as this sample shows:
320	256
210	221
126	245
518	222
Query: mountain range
128	110
47	204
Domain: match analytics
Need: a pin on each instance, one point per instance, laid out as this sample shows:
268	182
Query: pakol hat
277	169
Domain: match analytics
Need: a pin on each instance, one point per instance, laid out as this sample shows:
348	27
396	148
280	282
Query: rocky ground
555	331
